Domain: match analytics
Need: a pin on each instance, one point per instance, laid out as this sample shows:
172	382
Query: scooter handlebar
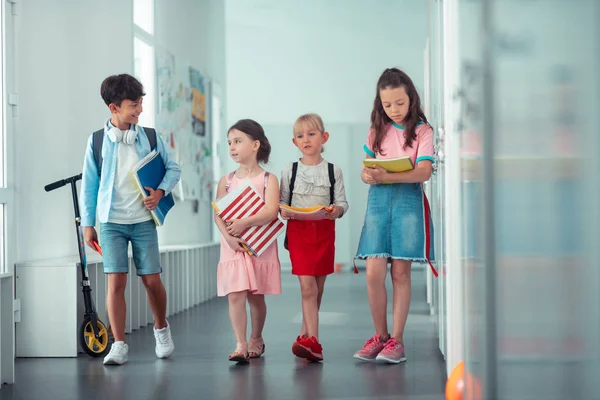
58	184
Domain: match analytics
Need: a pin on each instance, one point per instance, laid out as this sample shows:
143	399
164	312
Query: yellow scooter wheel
87	340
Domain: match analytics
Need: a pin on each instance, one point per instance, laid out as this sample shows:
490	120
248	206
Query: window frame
144	36
9	101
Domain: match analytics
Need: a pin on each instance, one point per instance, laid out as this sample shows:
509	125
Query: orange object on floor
461	385
338	268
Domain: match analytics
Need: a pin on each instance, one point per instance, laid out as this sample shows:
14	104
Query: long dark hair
256	132
393	78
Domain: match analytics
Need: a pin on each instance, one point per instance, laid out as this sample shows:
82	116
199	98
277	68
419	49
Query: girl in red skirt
311	182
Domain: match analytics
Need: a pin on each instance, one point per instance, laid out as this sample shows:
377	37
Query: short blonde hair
312	121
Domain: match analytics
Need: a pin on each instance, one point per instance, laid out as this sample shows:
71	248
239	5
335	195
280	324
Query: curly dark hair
256	132
117	88
393	78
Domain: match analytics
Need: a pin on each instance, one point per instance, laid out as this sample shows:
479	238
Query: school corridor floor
199	368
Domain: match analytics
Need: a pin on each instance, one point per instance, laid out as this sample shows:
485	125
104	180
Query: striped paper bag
242	202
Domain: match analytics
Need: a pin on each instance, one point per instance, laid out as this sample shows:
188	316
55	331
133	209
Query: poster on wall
181	121
198	102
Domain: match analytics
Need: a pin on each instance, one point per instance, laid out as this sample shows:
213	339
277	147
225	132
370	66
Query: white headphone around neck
116	135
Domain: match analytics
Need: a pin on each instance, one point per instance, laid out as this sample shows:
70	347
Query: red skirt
312	246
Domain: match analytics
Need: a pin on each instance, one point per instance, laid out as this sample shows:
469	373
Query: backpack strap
330	168
332	183
98	139
151	134
293	181
266	182
228	180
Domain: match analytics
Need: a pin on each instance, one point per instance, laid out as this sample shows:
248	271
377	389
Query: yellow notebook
308	214
401	164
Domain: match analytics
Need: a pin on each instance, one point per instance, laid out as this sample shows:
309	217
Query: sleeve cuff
369	151
164	189
87	222
422	158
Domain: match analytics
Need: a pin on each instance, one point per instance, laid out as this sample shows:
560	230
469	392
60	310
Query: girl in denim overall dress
397	224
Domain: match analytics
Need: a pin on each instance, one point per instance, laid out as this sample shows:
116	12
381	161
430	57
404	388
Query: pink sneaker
371	349
393	352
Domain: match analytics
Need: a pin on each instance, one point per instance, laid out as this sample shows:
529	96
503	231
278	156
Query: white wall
286	58
65	51
184	27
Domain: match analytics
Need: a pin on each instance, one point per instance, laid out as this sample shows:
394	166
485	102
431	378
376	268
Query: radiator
51	301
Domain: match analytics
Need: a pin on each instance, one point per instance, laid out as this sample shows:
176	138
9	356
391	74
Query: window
143	15
2	124
143	56
8	99
2	240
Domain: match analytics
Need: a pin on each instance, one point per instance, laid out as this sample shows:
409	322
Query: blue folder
149	172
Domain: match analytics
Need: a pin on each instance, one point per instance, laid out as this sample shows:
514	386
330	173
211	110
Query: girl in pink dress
242	277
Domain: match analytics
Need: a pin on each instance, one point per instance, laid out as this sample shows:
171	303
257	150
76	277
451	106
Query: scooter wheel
87	341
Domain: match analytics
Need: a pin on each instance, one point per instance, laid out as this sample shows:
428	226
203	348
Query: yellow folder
401	164
308	214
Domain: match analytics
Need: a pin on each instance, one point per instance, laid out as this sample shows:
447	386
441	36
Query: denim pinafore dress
397	224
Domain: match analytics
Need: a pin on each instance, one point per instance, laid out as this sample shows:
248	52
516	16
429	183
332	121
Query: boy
108	188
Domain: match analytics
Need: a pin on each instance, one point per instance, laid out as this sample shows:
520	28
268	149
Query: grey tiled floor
199	368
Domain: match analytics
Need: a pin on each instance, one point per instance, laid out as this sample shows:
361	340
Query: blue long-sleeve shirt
97	191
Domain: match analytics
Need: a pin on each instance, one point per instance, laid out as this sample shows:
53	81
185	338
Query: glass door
434	102
521	194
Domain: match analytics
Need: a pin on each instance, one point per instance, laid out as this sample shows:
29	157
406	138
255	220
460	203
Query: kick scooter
93	335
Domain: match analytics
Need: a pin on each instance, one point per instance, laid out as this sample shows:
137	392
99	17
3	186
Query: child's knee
401	274
152	282
237	298
117	283
376	275
320	291
309	291
256	299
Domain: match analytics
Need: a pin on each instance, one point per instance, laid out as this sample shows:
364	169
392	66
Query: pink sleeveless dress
238	271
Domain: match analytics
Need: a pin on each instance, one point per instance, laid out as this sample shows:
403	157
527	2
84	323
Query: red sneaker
308	348
297	344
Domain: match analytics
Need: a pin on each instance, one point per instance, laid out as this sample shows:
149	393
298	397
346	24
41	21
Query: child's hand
375	175
89	235
286	214
235	227
336	212
366	176
236	244
153	198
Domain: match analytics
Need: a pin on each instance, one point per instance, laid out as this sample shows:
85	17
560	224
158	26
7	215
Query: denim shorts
114	240
394	226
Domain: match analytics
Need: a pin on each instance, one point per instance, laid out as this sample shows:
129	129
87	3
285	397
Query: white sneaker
118	354
164	343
